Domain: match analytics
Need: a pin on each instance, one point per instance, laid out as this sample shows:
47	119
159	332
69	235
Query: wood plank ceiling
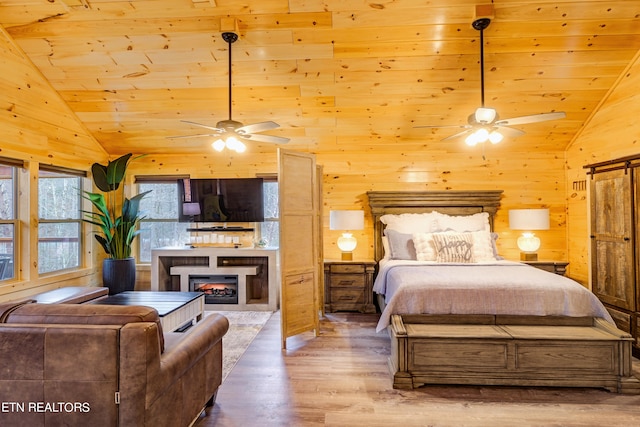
335	74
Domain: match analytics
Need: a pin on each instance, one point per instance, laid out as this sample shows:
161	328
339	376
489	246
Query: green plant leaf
116	231
131	206
108	178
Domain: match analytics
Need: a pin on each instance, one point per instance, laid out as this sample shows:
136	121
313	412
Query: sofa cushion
86	314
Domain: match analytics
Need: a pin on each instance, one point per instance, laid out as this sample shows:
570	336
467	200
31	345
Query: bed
457	313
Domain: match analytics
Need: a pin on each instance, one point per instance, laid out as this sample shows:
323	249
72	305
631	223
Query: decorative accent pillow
454	247
482	246
400	245
411	222
425	247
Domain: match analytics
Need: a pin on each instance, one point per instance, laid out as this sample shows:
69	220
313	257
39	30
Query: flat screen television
221	200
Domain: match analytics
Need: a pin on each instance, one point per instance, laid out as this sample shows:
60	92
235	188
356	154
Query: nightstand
558	267
348	286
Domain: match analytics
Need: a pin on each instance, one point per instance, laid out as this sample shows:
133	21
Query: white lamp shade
529	219
346	220
191	208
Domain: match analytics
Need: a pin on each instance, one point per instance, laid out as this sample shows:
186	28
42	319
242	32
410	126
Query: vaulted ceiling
335	74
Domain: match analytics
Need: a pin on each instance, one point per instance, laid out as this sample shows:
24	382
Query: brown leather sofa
100	365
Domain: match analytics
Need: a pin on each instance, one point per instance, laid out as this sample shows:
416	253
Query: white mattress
500	287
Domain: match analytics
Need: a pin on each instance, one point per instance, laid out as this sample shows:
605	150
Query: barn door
612	273
320	254
298	243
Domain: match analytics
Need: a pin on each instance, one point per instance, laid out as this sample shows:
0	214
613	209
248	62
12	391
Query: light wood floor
341	379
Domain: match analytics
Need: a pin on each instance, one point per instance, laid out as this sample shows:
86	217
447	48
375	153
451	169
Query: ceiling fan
485	124
231	133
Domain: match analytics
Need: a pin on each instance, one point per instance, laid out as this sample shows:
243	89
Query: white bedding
498	287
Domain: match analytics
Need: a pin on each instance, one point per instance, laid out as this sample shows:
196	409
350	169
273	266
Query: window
59	229
8	220
160	227
270	228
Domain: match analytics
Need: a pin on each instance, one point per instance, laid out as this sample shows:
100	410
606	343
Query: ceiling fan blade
203	126
257	127
510	132
266	138
456	135
534	118
198	135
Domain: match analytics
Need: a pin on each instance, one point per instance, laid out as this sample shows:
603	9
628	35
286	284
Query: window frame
65	173
14	222
154	179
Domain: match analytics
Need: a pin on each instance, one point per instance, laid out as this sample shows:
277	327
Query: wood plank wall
612	132
528	180
36	126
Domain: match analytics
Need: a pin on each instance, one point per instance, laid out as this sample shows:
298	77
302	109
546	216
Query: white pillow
400	245
411	222
482	246
425	247
464	223
481	241
454	247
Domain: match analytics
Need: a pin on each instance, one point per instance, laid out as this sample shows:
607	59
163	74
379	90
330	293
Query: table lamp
528	220
191	209
346	220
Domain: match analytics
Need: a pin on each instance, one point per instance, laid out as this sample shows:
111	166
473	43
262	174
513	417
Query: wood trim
449	202
7	161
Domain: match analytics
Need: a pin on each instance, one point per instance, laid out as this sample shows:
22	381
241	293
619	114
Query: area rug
243	328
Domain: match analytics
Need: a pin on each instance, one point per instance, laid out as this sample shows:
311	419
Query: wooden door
612	266
320	255
298	243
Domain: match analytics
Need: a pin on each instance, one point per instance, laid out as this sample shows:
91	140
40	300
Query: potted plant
118	218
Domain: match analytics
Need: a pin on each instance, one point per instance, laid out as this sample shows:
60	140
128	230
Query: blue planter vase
119	275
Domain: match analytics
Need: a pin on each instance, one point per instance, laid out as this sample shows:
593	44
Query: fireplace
219	289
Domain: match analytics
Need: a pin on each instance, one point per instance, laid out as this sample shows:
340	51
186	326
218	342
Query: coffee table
177	310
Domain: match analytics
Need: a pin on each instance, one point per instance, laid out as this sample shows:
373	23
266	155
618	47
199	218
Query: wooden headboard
447	202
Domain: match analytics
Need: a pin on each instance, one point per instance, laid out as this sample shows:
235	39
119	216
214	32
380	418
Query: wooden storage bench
510	350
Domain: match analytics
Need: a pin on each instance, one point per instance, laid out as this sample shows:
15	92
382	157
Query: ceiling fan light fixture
495	137
482	135
471	140
218	145
485	115
241	147
231	143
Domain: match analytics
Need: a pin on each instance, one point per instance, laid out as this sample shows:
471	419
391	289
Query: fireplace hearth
217	289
